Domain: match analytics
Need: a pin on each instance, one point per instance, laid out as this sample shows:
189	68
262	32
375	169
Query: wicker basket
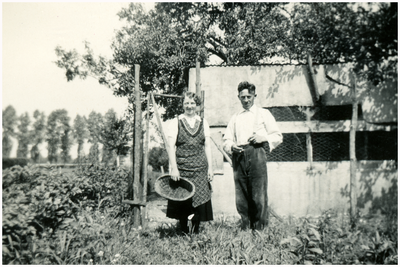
174	190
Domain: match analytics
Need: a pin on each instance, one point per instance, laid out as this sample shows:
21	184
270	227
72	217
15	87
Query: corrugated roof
268	64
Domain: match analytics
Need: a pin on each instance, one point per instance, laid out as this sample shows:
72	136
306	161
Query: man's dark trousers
251	185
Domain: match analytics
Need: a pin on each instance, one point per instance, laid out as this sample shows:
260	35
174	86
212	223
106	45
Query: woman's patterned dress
192	164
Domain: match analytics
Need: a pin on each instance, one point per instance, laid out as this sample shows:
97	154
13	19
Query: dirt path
156	211
157	208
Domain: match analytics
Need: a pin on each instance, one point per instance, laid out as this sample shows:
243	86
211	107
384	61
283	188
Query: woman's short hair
192	95
246	85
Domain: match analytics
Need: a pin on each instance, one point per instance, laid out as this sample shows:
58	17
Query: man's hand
236	149
256	139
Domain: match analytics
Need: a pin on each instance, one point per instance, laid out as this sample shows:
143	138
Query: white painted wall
293	190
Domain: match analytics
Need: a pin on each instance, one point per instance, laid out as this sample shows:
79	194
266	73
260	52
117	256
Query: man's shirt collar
252	109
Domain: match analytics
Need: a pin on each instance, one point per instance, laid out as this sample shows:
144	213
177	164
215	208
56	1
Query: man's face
247	98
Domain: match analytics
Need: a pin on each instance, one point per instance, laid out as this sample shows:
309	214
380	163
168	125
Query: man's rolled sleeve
274	137
228	137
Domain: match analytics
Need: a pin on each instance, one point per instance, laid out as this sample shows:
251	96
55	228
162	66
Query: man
251	135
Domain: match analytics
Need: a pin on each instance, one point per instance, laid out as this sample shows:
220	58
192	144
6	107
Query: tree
66	143
23	135
58	135
9	123
169	39
158	157
38	134
346	33
115	135
80	133
94	122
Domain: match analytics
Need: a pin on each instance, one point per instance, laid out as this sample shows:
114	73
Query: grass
101	233
220	242
102	238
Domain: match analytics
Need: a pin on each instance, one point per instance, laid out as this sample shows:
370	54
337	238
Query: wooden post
353	159
146	150
164	95
145	162
315	97
314	90
308	140
198	78
160	125
198	87
137	153
222	151
202	98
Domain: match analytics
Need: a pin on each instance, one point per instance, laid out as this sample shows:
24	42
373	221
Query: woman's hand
175	174
210	175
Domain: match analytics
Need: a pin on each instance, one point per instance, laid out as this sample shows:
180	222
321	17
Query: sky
30	78
30	33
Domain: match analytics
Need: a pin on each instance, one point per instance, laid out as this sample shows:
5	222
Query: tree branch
335	81
217	42
219	54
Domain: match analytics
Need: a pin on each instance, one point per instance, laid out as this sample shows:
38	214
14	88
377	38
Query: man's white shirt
245	123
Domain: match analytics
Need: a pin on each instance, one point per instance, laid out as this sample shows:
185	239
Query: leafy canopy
167	40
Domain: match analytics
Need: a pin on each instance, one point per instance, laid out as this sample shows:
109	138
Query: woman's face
189	106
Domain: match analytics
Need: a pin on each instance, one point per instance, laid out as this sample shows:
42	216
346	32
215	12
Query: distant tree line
113	133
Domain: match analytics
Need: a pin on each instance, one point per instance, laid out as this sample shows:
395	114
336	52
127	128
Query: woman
189	138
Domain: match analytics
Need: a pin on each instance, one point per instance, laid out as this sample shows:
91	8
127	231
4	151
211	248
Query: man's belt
265	145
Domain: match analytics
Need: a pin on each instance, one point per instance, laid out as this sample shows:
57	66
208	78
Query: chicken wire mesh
331	146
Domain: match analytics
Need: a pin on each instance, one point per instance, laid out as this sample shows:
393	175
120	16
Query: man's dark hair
246	85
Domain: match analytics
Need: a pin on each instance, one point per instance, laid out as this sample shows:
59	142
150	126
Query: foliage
330	240
48	194
158	157
23	135
18	224
66	143
38	134
9	121
80	133
58	129
10	162
94	153
94	122
108	156
104	185
6	146
115	134
88	67
220	242
98	230
346	32
167	41
38	204
18	219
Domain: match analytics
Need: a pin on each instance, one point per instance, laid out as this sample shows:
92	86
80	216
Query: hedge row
10	162
37	199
